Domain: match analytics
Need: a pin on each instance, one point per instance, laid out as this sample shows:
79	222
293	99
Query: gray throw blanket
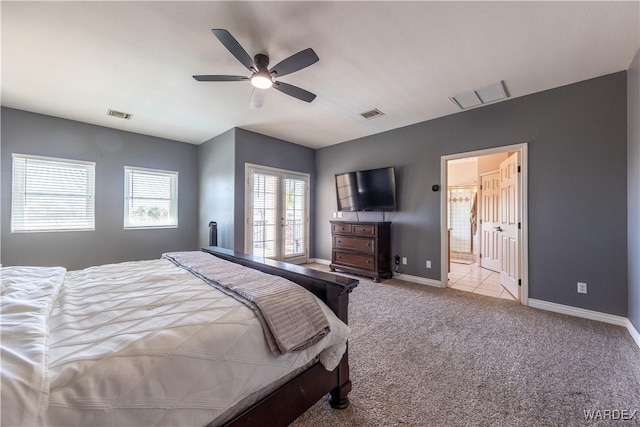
291	317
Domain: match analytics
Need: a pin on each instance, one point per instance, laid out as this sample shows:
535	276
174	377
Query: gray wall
633	182
264	150
216	166
577	186
29	133
222	188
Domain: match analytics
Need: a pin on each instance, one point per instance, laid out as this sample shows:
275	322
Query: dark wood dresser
362	248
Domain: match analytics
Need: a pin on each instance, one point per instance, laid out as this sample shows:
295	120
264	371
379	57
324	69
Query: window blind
266	189
51	194
295	201
150	198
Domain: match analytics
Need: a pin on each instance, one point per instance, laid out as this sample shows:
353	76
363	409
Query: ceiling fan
262	77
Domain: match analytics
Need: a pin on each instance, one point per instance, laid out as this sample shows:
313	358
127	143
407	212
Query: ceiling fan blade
257	98
295	62
234	47
208	78
294	91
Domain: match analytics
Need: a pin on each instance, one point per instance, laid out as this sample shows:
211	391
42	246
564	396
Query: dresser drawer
356	243
364	230
364	262
361	248
341	228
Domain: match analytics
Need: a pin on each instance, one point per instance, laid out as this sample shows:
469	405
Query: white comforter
133	344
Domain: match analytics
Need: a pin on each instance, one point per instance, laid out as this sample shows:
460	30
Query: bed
161	342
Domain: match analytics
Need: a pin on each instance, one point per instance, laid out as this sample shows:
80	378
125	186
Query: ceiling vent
476	98
372	114
119	114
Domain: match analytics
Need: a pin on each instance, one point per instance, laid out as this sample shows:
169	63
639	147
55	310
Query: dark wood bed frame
288	402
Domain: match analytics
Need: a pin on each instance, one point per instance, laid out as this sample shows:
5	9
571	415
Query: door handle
498	228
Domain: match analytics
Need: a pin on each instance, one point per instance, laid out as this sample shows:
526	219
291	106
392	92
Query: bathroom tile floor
472	278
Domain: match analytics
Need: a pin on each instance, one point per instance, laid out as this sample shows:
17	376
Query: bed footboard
288	402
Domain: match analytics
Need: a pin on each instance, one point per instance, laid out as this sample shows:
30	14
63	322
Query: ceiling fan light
261	81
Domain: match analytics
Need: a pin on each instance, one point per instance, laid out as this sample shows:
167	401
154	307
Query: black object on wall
367	190
213	233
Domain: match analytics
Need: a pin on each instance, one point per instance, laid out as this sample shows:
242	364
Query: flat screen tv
368	190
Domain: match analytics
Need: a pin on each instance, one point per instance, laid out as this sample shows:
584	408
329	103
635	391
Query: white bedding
133	344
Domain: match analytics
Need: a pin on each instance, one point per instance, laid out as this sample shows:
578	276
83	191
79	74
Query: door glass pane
265	218
294	217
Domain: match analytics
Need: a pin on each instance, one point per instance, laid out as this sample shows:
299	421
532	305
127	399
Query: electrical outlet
340	214
428	264
335	214
582	288
404	260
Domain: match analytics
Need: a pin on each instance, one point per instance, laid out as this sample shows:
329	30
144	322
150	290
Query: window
150	198
50	194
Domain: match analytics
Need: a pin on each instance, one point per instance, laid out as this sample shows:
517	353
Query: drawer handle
368	262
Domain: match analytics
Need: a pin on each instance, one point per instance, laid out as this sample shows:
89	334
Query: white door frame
523	203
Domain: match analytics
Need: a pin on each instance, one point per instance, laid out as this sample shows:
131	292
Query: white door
509	225
489	221
277	219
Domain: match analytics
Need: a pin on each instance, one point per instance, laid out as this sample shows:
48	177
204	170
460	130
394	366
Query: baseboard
634	332
401	276
320	261
587	314
418	279
578	312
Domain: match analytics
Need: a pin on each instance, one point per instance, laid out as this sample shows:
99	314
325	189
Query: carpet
424	356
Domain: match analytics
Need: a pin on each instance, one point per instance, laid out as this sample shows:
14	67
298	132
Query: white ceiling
77	59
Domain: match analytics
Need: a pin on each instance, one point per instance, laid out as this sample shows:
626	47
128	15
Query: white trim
524	232
634	332
161	172
587	314
579	312
53	159
418	279
320	261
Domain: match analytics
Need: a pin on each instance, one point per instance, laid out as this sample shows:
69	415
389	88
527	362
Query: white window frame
25	185
172	221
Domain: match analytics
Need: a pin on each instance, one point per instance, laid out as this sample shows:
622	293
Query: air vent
475	98
119	114
372	114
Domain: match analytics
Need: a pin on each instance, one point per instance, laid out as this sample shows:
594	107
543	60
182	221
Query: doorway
277	214
486	244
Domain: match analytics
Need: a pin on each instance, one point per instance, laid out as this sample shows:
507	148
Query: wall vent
119	114
476	98
372	114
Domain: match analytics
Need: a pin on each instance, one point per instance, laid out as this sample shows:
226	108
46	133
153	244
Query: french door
277	214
